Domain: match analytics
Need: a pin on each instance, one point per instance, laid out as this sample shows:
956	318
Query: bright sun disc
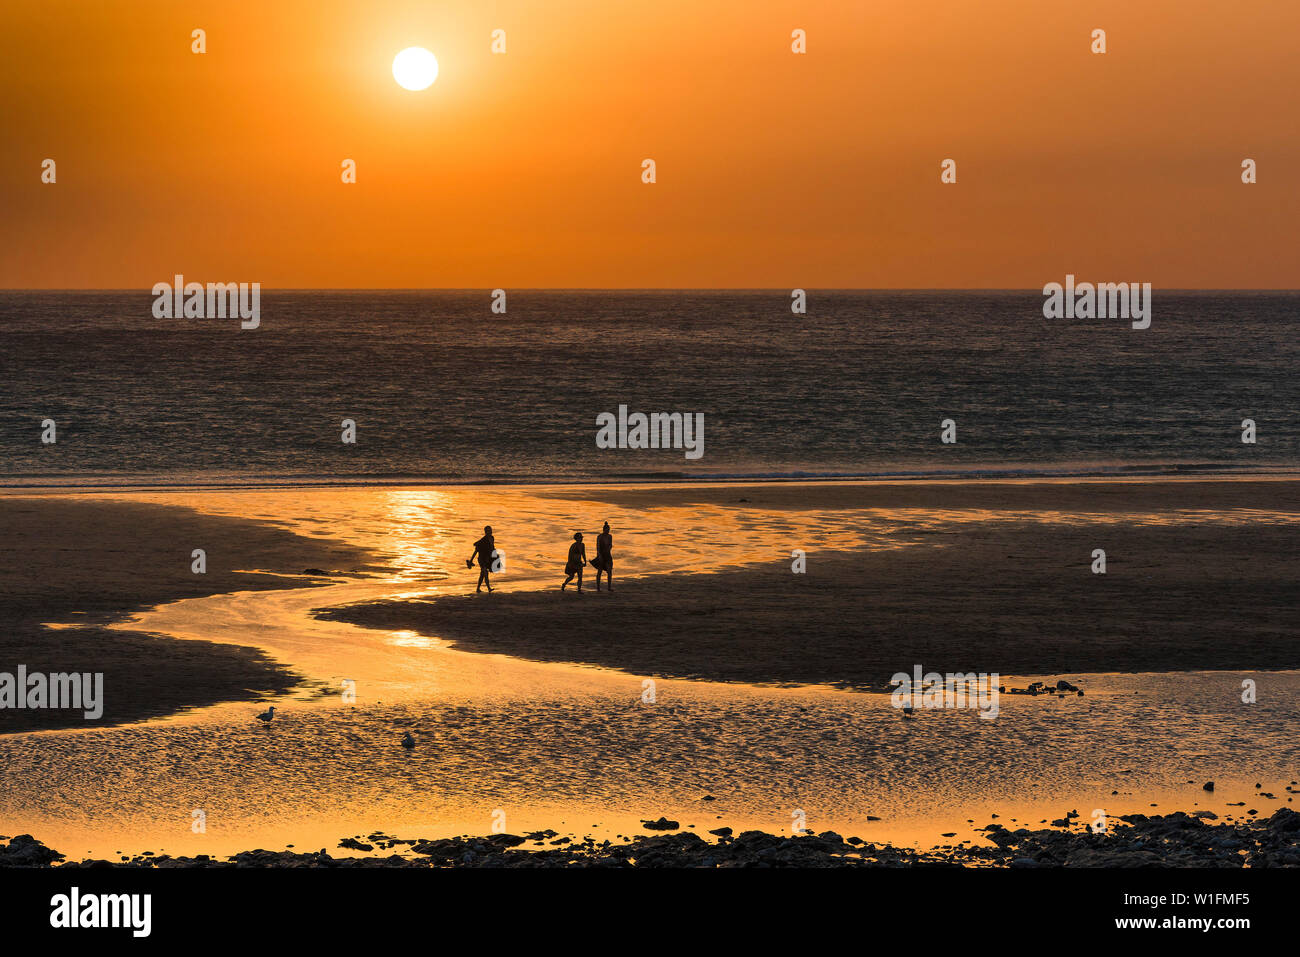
415	68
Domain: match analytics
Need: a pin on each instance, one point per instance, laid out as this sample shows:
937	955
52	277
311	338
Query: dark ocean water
442	389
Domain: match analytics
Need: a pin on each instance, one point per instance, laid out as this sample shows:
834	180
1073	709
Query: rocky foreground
1171	840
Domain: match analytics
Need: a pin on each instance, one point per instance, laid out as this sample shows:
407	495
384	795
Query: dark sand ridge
97	561
1015	597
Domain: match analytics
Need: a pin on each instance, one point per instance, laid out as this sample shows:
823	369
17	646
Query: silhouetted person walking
604	557
577	558
483	548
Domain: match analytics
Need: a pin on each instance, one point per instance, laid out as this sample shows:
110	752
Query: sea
864	384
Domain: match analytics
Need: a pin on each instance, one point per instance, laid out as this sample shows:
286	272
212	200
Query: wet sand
82	564
1007	598
560	736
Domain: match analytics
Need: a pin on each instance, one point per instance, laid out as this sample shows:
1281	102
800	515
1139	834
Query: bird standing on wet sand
408	741
267	715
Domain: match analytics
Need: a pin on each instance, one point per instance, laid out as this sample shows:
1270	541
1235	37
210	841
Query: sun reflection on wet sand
411	639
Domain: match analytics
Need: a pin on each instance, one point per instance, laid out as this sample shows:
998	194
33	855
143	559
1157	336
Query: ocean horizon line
1168	471
972	290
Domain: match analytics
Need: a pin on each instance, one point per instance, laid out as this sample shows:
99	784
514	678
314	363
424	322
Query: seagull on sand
408	741
267	715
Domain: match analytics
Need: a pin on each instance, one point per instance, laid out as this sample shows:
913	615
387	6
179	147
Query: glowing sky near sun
773	169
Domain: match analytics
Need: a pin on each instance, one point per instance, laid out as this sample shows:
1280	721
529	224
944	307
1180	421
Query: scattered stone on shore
1061	688
663	824
1134	840
25	851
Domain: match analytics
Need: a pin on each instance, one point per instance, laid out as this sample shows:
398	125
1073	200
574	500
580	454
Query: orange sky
775	170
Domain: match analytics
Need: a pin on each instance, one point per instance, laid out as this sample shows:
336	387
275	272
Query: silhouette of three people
485	549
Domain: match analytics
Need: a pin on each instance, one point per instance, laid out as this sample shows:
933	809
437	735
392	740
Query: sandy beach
71	566
532	704
1013	595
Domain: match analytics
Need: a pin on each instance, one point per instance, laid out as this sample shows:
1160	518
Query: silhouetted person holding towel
577	558
483	548
604	557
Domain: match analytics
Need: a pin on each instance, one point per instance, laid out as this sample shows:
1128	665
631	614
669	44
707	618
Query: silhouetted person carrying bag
483	548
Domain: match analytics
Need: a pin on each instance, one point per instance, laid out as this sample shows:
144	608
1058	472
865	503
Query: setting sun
415	68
